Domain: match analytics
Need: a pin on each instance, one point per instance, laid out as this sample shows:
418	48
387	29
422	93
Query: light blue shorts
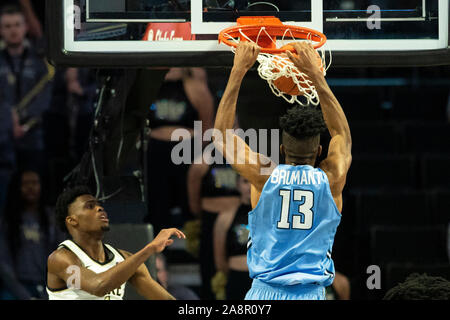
263	291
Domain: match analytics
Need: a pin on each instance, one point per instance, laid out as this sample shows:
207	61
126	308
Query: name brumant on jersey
281	176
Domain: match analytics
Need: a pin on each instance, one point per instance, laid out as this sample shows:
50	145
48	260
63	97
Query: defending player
85	268
296	207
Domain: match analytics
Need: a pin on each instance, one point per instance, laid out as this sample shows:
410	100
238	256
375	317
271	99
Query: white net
273	67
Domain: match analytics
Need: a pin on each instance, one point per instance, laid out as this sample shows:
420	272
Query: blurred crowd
46	114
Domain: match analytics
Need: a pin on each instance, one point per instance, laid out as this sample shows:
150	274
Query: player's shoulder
62	257
335	170
337	164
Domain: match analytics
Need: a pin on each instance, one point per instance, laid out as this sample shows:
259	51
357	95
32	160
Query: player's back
292	228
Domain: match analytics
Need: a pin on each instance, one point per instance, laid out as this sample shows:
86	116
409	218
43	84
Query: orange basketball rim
264	31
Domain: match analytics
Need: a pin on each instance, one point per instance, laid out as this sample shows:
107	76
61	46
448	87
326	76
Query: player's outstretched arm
145	285
99	284
339	157
246	162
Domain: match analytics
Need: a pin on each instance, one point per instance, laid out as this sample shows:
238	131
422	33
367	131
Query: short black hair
302	122
63	202
10	9
420	287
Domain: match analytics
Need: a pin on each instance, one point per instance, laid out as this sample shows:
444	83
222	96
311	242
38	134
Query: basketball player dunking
84	268
296	207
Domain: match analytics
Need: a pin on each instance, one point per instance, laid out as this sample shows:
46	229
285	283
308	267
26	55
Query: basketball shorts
263	291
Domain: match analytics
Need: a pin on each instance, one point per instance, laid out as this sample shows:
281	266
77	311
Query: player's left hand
163	239
306	60
246	55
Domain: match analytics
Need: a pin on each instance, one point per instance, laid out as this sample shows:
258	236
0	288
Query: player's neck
92	245
300	164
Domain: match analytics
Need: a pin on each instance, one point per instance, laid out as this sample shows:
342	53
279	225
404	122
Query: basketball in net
283	77
288	84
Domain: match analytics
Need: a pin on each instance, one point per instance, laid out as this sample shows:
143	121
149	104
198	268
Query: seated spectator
420	287
28	235
211	189
184	97
230	244
163	277
340	289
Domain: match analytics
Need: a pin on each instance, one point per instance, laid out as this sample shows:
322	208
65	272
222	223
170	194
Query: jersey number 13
304	219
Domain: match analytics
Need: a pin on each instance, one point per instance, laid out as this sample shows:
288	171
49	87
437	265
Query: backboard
151	33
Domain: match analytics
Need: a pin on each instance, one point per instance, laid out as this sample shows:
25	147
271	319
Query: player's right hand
246	55
163	239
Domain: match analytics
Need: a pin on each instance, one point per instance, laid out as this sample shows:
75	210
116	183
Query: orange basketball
287	84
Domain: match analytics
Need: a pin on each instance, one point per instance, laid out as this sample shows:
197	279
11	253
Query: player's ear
319	150
71	220
282	150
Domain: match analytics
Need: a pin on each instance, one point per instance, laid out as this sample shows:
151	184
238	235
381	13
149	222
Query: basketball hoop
284	78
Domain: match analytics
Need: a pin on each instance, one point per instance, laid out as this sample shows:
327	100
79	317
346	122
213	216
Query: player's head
77	210
13	27
302	126
420	287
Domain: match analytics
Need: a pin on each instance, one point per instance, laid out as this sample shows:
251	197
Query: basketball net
272	67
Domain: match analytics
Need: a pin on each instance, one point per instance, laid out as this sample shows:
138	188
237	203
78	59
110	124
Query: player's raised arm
99	284
145	285
339	157
246	162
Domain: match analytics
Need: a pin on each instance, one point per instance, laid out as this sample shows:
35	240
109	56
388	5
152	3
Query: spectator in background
34	12
70	116
81	86
420	287
7	154
184	98
340	289
211	189
163	277
68	122
27	91
28	235
230	244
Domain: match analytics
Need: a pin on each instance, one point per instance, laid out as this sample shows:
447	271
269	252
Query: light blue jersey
292	229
